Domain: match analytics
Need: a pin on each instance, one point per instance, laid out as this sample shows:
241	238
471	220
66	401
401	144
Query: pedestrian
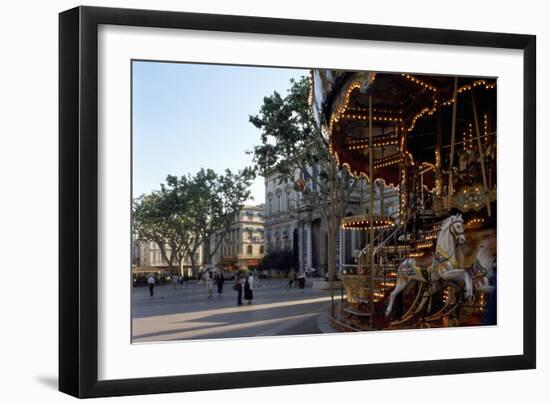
290	282
238	287
249	287
175	280
151	284
201	276
209	283
220	280
302	281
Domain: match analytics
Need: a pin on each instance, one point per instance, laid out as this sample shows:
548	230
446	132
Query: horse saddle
422	267
424	262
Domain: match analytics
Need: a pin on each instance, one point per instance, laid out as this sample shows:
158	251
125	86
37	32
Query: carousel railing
382	239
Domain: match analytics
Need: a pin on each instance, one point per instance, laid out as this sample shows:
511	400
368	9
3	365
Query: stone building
149	259
290	224
242	247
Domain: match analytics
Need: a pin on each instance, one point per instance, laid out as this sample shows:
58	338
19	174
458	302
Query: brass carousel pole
331	223
439	134
451	157
382	196
481	154
403	183
382	187
371	210
422	189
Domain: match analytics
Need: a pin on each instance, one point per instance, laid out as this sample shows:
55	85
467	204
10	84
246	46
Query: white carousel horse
482	270
440	266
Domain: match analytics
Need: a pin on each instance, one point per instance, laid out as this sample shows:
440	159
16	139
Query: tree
206	203
295	147
156	219
188	210
230	192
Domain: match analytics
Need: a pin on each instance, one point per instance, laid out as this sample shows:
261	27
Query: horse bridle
455	234
452	230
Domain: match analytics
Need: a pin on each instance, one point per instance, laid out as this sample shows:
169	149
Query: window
249	250
261	249
278	203
270	207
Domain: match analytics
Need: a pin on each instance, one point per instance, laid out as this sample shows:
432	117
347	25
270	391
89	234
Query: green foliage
292	145
289	139
156	219
189	209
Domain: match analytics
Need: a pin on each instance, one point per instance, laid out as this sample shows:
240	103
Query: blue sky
188	116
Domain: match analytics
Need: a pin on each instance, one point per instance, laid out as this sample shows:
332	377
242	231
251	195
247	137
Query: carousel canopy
412	117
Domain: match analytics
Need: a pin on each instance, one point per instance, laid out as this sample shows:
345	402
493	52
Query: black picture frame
78	200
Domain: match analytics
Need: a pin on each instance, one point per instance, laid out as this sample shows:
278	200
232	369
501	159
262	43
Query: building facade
290	224
149	258
242	246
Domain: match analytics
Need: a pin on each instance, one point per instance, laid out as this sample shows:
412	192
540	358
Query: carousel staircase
357	311
357	316
389	252
391	248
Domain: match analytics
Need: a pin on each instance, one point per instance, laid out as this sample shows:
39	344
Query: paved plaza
187	312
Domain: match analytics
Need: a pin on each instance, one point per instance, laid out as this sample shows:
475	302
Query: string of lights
361	222
419	82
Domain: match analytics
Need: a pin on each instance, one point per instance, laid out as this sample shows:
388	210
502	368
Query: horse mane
444	230
447	222
445	226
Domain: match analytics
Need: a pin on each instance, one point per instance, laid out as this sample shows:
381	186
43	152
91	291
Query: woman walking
290	283
238	286
248	288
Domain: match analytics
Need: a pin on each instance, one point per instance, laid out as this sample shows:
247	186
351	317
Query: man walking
209	282
151	284
219	281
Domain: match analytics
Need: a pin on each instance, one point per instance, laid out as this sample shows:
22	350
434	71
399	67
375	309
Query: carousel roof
408	113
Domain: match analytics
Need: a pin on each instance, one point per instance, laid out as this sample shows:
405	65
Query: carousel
432	139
